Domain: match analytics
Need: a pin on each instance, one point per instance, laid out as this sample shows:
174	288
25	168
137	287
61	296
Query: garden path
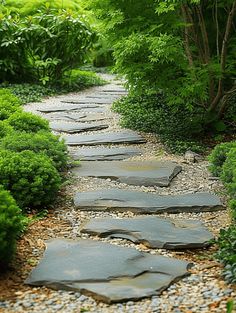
111	251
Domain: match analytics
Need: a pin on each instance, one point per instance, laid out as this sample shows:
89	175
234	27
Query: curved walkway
124	175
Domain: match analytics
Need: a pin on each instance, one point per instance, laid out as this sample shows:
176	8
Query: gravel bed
203	291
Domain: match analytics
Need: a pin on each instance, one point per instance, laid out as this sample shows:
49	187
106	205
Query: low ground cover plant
176	127
71	81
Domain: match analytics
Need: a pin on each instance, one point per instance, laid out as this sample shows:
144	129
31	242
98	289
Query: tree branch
224	55
186	37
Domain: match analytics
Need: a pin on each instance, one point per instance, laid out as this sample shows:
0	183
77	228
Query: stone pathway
111	185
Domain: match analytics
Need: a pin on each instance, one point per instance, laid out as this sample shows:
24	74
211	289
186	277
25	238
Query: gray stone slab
105	154
88	101
145	173
152	231
142	202
72	117
77	117
76	127
104	138
107	272
69	107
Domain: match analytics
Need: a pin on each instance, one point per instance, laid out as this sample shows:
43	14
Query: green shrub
227	252
228	175
9	103
232	205
7	95
41	142
175	126
11	224
5	129
219	155
42	47
31	178
28	122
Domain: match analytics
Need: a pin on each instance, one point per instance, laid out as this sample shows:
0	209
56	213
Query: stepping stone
77	117
76	127
142	202
145	173
105	138
107	272
116	91
68	107
90	101
105	154
153	232
65	116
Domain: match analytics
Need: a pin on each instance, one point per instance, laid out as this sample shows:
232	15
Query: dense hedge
223	164
11	224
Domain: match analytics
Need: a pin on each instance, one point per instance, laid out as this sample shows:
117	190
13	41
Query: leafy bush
11	224
44	46
77	79
31	7
28	122
5	129
226	253
31	178
41	142
150	113
219	155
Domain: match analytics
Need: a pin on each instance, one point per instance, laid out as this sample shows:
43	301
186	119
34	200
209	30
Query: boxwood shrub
219	155
28	122
223	164
9	104
11	224
228	174
31	178
5	129
41	142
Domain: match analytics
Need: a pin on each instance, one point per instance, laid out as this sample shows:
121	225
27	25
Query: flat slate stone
69	107
105	154
77	117
87	100
142	202
145	173
153	232
76	127
105	138
107	272
72	117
